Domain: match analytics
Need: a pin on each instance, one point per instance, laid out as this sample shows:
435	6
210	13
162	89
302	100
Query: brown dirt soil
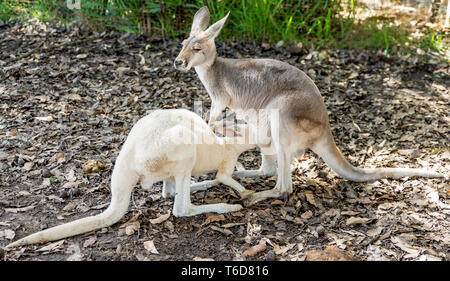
69	96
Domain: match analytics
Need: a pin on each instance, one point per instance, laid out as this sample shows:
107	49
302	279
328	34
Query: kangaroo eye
196	47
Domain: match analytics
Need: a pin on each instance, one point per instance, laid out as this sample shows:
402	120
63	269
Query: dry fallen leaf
69	207
75	97
375	231
353	75
81	56
7	233
213	217
150	246
357	220
28	166
70	176
202	259
231	224
306	215
277	202
71	184
90	241
58	157
237	214
51	247
331	253
3	156
122	69
310	198
222	230
385	196
281	250
323	55
142	59
405	246
93	166
17	210
45	118
252	251
161	218
131	228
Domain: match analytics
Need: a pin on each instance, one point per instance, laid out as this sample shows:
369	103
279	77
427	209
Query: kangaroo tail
122	183
326	148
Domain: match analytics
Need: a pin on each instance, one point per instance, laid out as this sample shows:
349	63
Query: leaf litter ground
68	98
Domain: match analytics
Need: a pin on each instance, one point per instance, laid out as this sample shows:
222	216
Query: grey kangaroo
255	85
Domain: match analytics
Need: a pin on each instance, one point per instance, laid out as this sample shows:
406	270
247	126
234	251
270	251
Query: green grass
377	37
392	39
7	11
255	20
433	41
312	22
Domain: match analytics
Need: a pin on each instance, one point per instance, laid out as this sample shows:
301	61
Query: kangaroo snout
179	64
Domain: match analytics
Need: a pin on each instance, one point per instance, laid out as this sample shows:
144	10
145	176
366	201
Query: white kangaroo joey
169	145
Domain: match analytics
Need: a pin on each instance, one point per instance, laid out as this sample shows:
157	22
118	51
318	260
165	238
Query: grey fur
247	84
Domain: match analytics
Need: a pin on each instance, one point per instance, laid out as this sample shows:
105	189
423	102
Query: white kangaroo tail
326	148
122	183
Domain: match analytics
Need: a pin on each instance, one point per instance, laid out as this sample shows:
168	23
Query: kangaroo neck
206	72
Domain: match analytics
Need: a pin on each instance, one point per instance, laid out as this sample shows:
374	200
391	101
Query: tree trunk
435	5
447	18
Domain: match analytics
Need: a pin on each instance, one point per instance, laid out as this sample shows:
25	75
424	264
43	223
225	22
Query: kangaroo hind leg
183	206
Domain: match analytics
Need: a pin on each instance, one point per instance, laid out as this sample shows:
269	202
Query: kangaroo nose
178	62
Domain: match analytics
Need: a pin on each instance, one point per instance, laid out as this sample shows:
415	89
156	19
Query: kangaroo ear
201	20
214	29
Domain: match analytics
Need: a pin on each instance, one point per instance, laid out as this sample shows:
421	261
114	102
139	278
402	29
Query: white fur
169	145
